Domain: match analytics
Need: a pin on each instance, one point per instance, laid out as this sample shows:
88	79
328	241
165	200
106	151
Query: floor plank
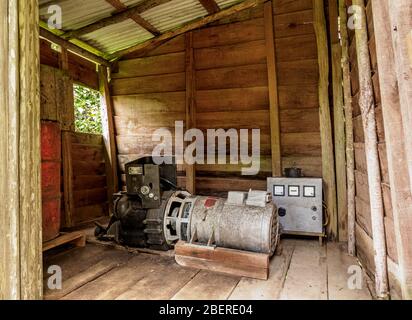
163	281
78	273
338	264
306	278
207	285
252	289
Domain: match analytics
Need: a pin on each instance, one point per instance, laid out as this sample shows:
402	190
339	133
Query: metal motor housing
154	213
214	221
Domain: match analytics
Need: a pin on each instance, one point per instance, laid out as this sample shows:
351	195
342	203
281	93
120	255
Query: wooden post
350	156
69	208
190	106
108	135
273	90
328	162
400	13
339	121
20	160
367	107
395	133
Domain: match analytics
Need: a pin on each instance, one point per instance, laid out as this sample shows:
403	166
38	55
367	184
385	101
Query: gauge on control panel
279	191
145	190
294	191
309	192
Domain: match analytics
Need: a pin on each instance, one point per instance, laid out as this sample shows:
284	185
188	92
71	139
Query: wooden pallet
78	238
234	262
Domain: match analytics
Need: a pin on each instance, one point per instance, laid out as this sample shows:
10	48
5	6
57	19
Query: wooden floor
303	271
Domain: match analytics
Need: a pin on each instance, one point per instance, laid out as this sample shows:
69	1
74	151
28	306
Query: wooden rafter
120	7
46	34
210	5
153	43
116	18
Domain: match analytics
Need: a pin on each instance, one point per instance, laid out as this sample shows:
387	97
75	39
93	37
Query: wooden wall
231	91
88	173
80	70
364	235
84	175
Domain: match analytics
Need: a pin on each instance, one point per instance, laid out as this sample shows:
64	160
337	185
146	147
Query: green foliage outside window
88	118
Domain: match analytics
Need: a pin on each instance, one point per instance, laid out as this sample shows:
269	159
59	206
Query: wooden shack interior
327	83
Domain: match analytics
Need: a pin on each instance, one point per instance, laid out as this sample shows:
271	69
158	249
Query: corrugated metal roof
117	37
168	16
173	14
227	3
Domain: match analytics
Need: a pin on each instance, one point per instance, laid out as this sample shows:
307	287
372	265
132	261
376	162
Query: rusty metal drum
51	179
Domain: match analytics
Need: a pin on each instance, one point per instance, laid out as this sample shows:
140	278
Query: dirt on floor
304	270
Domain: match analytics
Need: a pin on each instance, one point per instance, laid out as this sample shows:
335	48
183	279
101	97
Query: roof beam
136	17
116	18
46	34
153	43
210	5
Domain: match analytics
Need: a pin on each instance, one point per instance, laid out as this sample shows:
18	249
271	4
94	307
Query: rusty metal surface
51	178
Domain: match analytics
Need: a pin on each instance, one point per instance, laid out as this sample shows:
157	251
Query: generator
300	205
154	213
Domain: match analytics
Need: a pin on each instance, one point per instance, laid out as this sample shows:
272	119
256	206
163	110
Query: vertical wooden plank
338	121
108	135
350	155
9	156
67	179
328	162
395	144
273	90
366	104
30	219
400	13
190	106
65	100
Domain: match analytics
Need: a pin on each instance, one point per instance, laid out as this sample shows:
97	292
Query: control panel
143	180
300	205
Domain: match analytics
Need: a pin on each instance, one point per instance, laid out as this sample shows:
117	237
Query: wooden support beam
328	162
108	135
230	261
190	106
273	90
46	34
153	43
114	19
338	121
68	196
366	104
395	133
21	274
350	155
400	13
210	5
121	7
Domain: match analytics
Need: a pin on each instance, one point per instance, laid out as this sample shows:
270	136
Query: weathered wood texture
20	159
229	261
109	139
328	161
232	91
399	225
79	69
363	204
338	120
350	155
85	182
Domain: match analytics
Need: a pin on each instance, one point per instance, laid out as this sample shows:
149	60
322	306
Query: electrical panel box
300	204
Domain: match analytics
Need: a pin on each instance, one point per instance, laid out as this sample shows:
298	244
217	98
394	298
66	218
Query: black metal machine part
138	213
